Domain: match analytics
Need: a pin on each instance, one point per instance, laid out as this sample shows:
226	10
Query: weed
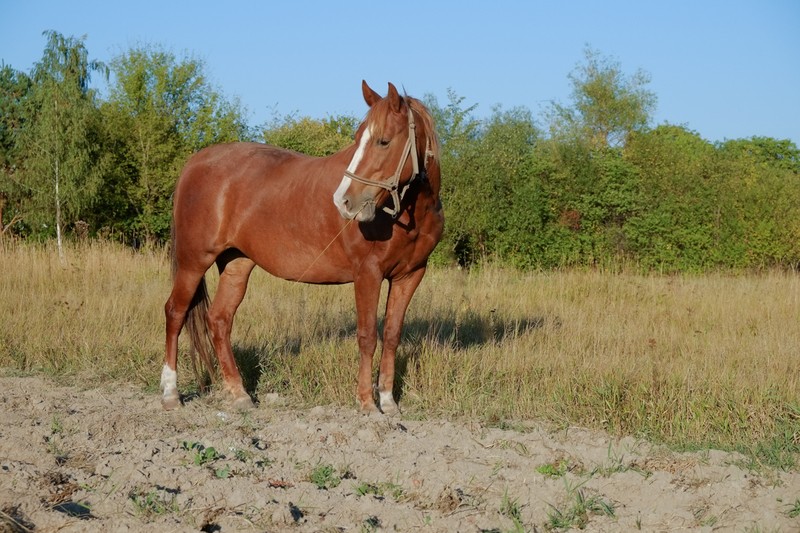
153	503
510	508
576	515
554	469
368	488
201	455
324	477
380	490
371	523
56	425
794	510
223	472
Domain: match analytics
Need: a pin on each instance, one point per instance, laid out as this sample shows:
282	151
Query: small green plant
324	477
201	455
510	508
56	425
380	490
224	472
554	469
794	509
371	523
152	503
577	515
368	488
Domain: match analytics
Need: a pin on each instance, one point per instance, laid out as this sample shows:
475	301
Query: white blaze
338	196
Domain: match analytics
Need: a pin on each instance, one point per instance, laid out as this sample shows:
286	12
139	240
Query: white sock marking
386	398
169	381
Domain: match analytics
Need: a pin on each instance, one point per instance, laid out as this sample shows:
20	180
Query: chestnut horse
367	213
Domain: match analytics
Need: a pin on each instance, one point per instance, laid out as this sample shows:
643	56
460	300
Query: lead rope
314	262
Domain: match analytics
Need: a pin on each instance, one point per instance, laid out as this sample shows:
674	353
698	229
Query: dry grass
688	360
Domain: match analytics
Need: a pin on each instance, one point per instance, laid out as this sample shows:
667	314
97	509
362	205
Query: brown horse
367	213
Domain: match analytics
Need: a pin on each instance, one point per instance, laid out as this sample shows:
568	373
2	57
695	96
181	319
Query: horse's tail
197	326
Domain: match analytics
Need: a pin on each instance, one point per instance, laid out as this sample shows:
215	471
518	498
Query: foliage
607	105
589	183
324	476
160	110
58	150
309	136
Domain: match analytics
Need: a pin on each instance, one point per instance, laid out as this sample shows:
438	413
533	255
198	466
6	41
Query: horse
368	213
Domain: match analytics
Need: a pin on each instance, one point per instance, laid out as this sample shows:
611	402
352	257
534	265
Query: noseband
393	183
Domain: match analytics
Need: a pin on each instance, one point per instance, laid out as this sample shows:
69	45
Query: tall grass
692	361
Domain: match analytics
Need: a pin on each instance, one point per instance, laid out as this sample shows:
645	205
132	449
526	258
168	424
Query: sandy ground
110	459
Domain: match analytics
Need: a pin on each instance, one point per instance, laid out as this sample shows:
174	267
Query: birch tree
62	160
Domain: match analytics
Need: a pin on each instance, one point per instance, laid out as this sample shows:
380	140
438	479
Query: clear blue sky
724	68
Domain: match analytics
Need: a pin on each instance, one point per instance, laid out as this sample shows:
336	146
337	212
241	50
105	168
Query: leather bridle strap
393	182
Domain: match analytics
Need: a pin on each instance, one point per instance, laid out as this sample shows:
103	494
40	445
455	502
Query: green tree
311	136
678	223
458	132
607	104
62	159
160	110
14	88
760	201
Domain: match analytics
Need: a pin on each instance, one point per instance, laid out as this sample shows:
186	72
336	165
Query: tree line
590	182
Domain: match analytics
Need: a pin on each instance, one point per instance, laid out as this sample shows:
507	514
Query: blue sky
727	69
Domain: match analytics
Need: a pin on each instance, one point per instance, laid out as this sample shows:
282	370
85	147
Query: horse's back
256	198
237	161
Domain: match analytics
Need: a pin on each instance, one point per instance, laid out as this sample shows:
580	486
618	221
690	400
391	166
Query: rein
393	183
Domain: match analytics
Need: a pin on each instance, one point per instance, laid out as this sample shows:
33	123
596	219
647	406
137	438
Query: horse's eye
383	142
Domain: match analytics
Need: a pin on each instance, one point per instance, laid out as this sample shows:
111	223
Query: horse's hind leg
175	310
234	273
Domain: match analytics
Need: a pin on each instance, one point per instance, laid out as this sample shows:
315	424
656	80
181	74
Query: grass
691	361
153	503
510	508
578	511
380	490
324	476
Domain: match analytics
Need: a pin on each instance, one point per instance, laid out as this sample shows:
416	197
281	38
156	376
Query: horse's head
389	147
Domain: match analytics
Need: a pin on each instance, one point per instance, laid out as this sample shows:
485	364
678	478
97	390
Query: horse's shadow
456	334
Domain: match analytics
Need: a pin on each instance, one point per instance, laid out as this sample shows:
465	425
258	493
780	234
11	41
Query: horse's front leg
368	288
400	292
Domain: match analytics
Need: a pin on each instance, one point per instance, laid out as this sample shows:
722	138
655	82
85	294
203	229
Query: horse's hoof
369	409
170	402
243	403
390	409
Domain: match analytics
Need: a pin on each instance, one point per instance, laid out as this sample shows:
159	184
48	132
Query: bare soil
110	459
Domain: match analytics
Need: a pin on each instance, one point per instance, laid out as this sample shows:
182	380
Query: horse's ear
394	98
370	96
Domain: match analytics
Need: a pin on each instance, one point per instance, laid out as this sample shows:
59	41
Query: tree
760	202
677	225
14	88
310	136
62	160
607	105
458	132
160	110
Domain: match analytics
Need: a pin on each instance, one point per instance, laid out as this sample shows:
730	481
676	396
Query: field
497	368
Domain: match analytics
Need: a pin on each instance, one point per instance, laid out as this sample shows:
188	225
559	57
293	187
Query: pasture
536	401
689	361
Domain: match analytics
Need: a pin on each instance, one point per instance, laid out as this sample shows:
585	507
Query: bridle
392	184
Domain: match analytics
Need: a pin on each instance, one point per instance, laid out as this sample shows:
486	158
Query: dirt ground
109	459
